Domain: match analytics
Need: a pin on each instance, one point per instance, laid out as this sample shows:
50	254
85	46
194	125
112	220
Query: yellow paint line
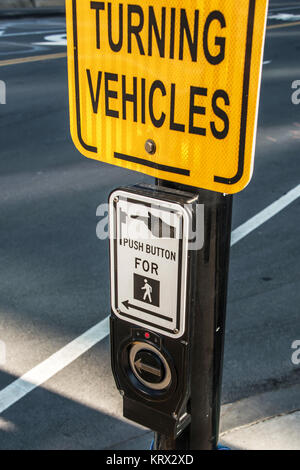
285	25
37	58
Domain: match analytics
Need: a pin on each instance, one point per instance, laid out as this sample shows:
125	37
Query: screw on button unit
116	199
150	146
118	310
175	331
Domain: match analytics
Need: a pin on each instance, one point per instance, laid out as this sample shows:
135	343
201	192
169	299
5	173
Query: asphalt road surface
54	271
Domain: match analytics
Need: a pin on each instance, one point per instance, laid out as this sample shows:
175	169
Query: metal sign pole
209	293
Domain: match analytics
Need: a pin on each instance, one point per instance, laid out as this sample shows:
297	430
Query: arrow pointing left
128	306
140	366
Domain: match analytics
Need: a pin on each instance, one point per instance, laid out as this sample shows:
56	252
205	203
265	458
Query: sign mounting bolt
175	331
116	199
150	146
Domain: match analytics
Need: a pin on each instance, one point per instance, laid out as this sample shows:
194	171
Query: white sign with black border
149	257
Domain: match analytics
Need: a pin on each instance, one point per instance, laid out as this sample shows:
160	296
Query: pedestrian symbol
146	290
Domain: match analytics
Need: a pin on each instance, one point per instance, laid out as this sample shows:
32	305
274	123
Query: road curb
31	12
258	408
277	433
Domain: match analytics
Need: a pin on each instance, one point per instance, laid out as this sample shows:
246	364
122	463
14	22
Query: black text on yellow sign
184	74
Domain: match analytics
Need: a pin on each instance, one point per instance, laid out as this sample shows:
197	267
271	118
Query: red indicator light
147	335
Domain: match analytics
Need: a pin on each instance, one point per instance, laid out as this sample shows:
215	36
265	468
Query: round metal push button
149	366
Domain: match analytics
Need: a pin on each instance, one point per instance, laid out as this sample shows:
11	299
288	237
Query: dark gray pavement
54	270
12	13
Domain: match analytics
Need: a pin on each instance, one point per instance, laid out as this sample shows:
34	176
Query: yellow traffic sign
168	88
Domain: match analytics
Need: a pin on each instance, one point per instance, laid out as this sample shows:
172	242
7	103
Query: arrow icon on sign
144	367
128	305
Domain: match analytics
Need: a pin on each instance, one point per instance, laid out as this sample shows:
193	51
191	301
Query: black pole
209	293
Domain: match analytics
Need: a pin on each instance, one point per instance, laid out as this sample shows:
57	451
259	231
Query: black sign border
244	114
179	281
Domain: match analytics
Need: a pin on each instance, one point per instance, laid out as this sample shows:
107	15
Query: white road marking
30	33
243	230
284	17
72	351
53	40
51	366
